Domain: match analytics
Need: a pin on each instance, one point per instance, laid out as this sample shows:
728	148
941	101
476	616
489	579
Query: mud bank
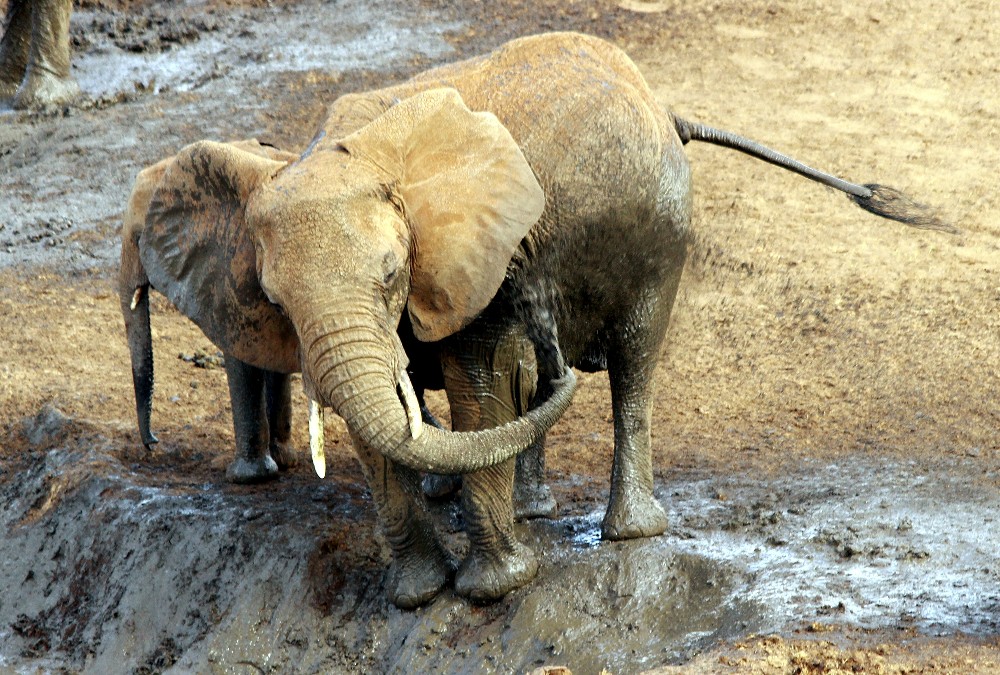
117	570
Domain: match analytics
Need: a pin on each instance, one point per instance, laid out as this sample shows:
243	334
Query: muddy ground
827	429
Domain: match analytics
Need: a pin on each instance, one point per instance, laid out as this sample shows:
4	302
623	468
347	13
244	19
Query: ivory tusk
136	297
411	404
316	432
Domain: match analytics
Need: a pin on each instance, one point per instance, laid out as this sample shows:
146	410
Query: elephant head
419	210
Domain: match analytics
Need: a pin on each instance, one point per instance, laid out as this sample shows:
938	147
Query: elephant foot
243	471
533	501
284	456
437	486
485	577
634	517
8	89
416	578
42	88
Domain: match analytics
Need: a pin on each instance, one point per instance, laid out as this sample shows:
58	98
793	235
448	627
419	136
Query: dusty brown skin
430	208
35	55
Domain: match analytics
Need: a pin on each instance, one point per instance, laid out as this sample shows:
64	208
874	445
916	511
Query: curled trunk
355	370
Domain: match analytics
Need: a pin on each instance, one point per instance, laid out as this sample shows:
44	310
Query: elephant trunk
355	369
135	309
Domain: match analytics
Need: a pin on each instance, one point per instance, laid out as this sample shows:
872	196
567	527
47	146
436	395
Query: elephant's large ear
196	249
470	197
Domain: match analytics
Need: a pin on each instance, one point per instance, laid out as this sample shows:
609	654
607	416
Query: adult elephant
35	55
538	191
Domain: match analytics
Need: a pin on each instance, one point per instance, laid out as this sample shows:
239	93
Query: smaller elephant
259	344
35	56
260	347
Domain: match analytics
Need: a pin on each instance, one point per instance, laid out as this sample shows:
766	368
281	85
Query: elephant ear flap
195	246
470	198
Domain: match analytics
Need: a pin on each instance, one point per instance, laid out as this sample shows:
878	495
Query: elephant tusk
316	439
411	404
136	297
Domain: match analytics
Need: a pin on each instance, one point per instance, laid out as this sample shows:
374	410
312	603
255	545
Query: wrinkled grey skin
35	55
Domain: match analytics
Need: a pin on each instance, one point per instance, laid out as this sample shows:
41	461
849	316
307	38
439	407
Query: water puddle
874	548
237	49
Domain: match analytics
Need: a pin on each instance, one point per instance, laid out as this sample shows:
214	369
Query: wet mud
120	569
825	432
118	564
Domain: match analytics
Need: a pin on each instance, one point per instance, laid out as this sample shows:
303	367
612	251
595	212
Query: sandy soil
826	432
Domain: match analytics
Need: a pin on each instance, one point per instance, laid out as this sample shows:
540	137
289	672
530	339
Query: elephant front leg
253	462
14	48
420	564
47	78
488	383
497	563
533	377
436	486
532	497
278	392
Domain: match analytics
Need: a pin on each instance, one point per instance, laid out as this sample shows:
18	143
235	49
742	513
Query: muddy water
158	80
870	544
183	50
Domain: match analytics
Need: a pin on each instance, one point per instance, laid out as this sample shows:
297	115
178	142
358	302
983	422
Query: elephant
35	55
537	195
260	348
259	345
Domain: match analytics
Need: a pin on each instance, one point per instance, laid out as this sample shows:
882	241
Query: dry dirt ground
827	428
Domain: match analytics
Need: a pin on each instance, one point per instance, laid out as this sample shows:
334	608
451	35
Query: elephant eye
390	267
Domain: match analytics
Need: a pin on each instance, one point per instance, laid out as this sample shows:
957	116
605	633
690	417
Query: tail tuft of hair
891	203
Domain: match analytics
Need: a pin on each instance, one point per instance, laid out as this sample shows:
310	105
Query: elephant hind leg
253	462
633	511
278	392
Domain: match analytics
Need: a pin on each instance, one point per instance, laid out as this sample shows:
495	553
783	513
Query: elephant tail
881	200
